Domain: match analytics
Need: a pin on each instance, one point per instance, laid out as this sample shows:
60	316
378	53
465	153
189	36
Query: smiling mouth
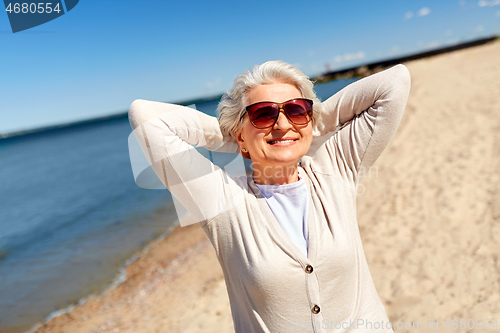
281	141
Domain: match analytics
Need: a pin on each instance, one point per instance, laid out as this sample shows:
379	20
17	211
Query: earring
244	150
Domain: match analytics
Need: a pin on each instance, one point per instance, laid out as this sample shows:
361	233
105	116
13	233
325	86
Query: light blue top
289	204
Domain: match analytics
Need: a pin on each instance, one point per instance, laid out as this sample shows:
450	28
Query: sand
429	216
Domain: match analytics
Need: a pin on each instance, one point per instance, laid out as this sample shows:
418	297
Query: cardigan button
309	269
315	309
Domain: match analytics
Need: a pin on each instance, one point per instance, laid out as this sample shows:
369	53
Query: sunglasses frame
280	108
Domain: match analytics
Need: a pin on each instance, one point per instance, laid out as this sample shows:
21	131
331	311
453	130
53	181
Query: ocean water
71	215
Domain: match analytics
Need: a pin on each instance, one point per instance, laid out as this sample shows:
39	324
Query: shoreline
432	241
120	277
164	254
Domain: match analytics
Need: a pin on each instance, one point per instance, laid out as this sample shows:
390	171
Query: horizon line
356	71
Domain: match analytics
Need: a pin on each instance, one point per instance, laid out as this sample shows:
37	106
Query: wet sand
429	216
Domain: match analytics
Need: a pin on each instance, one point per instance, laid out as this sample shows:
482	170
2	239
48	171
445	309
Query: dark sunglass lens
263	116
298	111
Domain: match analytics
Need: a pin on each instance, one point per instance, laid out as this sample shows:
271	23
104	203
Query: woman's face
261	143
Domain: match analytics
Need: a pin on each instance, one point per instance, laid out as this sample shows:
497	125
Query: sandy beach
428	212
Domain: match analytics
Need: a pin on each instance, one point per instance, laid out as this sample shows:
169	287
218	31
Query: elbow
134	117
403	76
135	106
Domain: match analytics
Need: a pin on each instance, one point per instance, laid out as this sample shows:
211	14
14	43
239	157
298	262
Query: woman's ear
239	138
241	143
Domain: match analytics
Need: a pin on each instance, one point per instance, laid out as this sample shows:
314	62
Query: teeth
272	142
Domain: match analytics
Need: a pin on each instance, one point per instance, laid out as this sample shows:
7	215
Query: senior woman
286	236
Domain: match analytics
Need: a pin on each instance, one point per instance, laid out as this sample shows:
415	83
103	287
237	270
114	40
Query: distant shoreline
358	71
368	69
92	120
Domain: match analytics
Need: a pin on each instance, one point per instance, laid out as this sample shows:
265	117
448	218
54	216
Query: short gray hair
233	103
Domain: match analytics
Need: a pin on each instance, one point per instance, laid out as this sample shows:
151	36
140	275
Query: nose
282	121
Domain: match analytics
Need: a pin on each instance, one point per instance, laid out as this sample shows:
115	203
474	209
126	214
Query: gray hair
233	103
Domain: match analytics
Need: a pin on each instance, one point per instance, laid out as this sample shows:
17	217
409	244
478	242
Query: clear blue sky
99	57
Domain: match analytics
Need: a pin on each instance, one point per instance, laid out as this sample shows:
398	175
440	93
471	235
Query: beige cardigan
272	285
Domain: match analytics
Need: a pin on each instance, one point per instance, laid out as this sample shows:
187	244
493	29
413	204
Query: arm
369	111
166	133
191	126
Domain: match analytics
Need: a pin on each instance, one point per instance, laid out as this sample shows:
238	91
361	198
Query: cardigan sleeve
169	135
366	115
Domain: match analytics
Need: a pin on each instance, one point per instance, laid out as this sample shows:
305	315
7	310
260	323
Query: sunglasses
265	114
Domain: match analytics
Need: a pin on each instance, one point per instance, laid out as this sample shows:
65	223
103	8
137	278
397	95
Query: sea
72	217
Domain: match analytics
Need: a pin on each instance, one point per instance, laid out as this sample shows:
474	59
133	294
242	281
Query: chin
287	159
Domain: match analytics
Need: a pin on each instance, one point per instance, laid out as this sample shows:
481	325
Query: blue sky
99	57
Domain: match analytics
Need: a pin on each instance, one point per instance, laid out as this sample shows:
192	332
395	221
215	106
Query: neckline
290	189
278	231
297	183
